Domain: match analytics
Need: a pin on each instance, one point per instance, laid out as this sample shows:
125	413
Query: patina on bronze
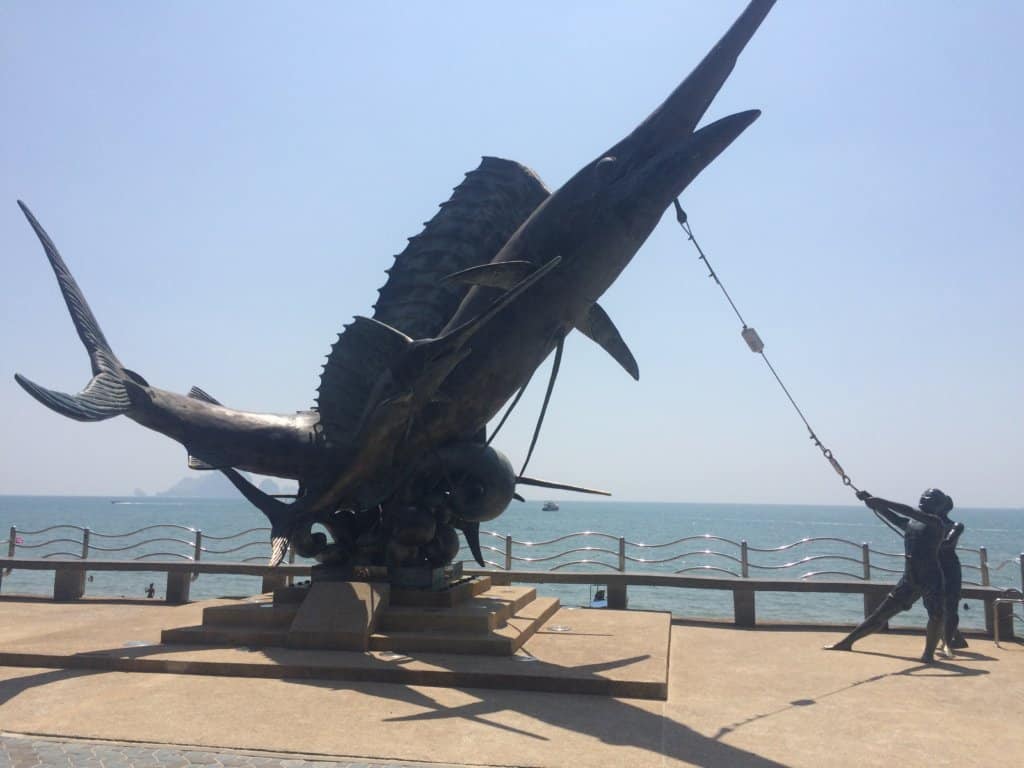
394	458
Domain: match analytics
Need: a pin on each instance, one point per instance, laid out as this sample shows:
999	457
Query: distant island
213	485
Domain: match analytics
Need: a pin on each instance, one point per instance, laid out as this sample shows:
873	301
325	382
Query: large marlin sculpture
395	457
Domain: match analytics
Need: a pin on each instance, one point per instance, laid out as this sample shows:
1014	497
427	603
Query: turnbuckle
827	453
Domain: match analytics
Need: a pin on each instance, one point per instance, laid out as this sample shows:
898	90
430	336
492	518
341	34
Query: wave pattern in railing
831	556
146	543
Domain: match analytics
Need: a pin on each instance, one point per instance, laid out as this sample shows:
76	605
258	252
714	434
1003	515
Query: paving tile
201	758
30	752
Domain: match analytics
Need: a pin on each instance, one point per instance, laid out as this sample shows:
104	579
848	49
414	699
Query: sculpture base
468	616
602	652
399	577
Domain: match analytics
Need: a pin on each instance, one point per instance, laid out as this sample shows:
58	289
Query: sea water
763	527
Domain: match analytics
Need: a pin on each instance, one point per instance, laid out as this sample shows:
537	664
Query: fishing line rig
756	345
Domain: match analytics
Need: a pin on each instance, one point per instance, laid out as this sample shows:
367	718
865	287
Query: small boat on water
550	506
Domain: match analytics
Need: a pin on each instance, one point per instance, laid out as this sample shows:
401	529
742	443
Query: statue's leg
951	606
951	620
938	626
900	599
932	633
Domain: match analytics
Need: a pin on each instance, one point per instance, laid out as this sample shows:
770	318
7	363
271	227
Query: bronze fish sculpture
395	456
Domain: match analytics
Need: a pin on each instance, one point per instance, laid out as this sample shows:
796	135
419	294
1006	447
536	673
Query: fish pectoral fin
533	481
599	327
471	530
501	274
460	335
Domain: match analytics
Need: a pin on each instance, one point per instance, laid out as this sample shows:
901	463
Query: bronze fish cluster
395	456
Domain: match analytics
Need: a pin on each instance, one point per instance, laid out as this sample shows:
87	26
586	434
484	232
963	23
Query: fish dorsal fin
194	462
362	353
598	326
499	274
483	212
199	394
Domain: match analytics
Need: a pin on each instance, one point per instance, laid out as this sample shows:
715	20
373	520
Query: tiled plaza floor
22	751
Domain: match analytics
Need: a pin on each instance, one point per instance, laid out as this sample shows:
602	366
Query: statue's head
935	502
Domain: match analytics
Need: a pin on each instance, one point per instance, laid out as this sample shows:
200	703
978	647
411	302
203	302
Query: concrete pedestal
338	616
68	584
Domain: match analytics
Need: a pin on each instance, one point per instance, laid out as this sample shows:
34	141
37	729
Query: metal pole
1021	561
622	553
508	551
865	556
197	552
11	545
983	555
85	543
744	560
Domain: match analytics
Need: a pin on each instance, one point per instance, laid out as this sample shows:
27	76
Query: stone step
459	592
237	636
502	641
481	613
256	614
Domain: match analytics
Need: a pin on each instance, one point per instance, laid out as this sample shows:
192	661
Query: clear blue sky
228	182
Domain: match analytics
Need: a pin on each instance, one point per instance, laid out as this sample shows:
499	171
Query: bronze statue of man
952	578
924	531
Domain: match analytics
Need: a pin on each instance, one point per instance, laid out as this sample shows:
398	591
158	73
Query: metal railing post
1021	560
197	552
983	556
508	551
291	561
865	556
85	543
618	593
744	560
13	543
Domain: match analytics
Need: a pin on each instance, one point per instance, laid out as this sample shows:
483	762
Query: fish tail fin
107	394
280	515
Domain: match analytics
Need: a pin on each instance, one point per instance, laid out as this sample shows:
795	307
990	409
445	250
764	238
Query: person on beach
924	531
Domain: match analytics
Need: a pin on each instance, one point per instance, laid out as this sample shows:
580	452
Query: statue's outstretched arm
892	511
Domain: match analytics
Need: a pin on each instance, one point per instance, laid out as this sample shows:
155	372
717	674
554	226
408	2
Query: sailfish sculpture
395	457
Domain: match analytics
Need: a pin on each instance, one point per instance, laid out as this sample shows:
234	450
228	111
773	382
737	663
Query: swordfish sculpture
395	456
